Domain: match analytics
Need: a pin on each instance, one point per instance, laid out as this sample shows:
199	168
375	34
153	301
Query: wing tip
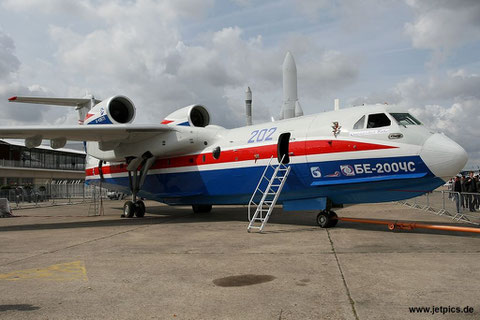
12	98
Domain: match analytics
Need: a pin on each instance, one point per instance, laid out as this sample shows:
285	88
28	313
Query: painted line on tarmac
58	272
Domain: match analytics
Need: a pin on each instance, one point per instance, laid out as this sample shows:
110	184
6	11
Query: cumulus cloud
448	103
142	56
137	49
8	61
9	65
441	25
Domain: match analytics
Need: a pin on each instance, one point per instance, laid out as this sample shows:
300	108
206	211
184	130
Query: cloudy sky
423	55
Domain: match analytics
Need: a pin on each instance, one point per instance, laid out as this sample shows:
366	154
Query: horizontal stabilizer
72	102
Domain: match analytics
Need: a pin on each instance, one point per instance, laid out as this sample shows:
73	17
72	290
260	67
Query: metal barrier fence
458	206
55	193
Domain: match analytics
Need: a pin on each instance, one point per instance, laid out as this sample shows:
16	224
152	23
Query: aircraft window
378	120
360	123
405	119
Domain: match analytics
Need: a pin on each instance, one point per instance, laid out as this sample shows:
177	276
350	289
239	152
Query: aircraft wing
73	102
104	133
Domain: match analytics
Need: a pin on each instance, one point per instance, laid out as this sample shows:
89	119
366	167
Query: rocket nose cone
289	63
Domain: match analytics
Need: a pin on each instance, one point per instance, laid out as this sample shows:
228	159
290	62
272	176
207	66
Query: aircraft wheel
323	219
201	208
333	218
327	219
139	209
128	209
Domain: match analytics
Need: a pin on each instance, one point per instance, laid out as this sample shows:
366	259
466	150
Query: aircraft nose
443	156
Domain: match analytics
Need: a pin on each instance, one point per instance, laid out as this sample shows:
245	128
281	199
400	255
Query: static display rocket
291	107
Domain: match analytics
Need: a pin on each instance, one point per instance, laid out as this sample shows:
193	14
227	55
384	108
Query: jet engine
194	115
116	110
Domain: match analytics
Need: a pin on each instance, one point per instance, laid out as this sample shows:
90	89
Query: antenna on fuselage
336	105
248	105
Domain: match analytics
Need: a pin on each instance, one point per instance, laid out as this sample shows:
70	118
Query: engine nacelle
194	116
114	110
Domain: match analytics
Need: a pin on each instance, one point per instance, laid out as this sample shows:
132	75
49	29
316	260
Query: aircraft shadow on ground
164	215
176	215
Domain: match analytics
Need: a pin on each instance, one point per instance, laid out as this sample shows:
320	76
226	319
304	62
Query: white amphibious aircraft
363	154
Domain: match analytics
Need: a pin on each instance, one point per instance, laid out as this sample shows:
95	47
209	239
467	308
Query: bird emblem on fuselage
336	128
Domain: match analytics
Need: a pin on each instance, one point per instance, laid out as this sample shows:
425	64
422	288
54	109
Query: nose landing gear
327	219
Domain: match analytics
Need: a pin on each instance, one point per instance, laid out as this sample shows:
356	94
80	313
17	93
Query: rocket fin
298	109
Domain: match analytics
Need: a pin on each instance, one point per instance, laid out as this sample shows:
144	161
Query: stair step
269	194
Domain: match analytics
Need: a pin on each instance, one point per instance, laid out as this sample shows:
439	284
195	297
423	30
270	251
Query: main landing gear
327	219
201	208
137	172
131	209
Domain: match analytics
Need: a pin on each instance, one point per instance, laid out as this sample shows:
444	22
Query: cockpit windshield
378	120
405	119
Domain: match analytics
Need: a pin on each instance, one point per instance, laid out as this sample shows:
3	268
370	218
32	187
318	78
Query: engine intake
122	110
195	115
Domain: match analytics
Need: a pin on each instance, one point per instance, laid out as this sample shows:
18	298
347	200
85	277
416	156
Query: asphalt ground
59	263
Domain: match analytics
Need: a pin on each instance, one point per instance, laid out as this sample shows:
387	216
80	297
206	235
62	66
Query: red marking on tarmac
299	148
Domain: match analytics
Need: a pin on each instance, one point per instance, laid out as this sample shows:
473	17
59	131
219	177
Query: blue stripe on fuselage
236	185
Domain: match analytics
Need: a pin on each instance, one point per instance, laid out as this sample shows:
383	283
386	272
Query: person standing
477	202
471	188
463	197
457	188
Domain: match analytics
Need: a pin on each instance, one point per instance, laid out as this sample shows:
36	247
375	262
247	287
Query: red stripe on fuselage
166	121
298	148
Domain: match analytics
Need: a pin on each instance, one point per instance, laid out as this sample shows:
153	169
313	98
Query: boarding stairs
274	176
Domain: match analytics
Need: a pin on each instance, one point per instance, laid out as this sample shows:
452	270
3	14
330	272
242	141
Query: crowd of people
467	190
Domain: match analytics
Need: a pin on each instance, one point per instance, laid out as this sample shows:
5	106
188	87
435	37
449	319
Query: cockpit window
360	123
378	120
405	119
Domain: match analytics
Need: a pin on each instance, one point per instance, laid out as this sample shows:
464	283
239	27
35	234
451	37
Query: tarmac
59	263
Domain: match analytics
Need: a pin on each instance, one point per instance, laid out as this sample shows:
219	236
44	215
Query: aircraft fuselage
388	156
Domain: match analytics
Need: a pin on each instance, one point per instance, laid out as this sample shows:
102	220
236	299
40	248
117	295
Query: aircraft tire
140	209
128	209
201	208
323	219
333	219
327	219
